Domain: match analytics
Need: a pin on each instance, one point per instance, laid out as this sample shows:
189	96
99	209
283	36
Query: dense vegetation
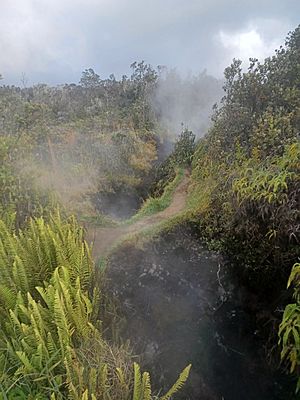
245	192
51	338
89	140
95	142
246	170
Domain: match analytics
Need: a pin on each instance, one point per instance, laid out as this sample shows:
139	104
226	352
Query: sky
53	41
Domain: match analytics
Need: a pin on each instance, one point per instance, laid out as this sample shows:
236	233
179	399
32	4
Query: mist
186	101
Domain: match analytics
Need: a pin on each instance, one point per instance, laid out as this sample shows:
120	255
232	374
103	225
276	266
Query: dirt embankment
102	239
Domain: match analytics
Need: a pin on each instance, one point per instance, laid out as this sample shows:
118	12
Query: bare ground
102	239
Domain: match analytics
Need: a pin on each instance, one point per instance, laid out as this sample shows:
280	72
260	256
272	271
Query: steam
61	169
93	169
86	170
186	101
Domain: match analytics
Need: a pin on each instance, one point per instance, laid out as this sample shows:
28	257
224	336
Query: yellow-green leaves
142	385
51	345
178	384
289	330
45	308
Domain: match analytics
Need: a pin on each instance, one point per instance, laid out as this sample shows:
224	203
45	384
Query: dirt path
102	239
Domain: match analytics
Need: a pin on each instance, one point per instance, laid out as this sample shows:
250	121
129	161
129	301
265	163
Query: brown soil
102	239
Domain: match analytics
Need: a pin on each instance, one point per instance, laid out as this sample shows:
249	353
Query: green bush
184	149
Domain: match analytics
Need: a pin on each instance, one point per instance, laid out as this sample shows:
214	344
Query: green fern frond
178	384
64	330
25	361
121	377
7	297
146	386
137	383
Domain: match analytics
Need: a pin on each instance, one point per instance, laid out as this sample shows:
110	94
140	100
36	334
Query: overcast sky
53	41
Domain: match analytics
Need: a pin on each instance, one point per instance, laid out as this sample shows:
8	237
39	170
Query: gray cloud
53	41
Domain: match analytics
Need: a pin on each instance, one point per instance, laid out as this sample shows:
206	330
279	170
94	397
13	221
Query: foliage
19	195
99	220
289	330
51	340
181	157
113	104
142	385
245	179
90	79
86	140
184	148
162	174
156	204
46	311
265	197
127	157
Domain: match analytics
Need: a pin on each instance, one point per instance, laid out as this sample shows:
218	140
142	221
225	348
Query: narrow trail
102	239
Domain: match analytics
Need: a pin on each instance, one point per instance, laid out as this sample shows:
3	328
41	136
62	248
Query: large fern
45	309
51	344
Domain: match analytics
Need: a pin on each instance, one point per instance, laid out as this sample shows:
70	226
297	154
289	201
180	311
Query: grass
140	238
198	201
151	206
154	205
199	196
99	220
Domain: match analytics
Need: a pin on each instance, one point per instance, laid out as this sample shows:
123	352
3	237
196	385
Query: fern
51	343
289	329
137	383
146	386
142	384
178	384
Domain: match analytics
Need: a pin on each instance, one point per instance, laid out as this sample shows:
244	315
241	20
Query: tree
143	79
90	79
